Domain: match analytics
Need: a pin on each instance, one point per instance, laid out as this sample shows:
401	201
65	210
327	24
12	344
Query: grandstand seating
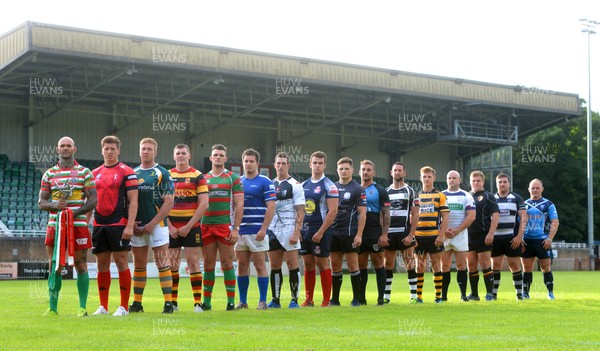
20	186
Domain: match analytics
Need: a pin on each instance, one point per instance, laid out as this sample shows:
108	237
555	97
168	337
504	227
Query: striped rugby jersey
401	201
257	192
221	189
78	177
509	207
431	205
188	185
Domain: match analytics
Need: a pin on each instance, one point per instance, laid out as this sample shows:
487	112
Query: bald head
453	180
64	140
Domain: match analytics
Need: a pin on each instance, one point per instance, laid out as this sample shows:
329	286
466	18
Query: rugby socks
229	278
104	287
209	282
336	283
263	288
488	279
497	276
446	279
276	281
474	282
355	279
83	287
326	284
166	282
549	281
527	280
243	283
420	281
124	288
437	283
412	283
381	281
175	288
518	282
54	285
364	279
461	279
139	284
389	276
295	283
196	282
309	284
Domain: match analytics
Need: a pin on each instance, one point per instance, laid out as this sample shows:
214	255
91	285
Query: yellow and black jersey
431	205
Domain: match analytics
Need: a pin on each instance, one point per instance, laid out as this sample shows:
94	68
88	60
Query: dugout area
57	81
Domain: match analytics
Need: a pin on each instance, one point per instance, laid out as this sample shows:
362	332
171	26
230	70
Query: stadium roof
291	96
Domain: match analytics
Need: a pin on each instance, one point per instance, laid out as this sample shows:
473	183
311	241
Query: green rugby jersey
153	184
221	189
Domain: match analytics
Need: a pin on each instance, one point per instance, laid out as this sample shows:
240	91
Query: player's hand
450	233
317	237
409	239
137	230
127	233
184	231
148	228
383	241
439	241
260	236
357	241
173	232
516	242
60	205
547	243
233	236
489	239
295	238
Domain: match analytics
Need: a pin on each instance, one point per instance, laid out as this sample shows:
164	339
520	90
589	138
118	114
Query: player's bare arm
385	226
198	214
132	208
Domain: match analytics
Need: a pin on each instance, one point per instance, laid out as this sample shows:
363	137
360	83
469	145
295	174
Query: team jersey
459	202
509	206
539	215
289	194
401	201
112	185
431	205
316	193
377	199
221	189
352	196
485	206
188	185
78	178
257	192
153	184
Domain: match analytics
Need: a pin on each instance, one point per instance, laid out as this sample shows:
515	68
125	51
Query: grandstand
20	185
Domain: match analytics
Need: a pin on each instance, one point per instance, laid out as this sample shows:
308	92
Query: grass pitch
568	323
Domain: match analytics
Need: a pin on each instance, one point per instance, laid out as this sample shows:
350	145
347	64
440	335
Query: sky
535	44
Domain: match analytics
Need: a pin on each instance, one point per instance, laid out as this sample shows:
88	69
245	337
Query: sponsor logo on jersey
317	190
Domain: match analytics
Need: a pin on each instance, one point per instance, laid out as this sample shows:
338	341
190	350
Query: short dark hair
344	160
251	152
110	139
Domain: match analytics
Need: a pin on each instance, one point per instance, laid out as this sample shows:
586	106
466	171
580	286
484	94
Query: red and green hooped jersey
79	178
221	189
